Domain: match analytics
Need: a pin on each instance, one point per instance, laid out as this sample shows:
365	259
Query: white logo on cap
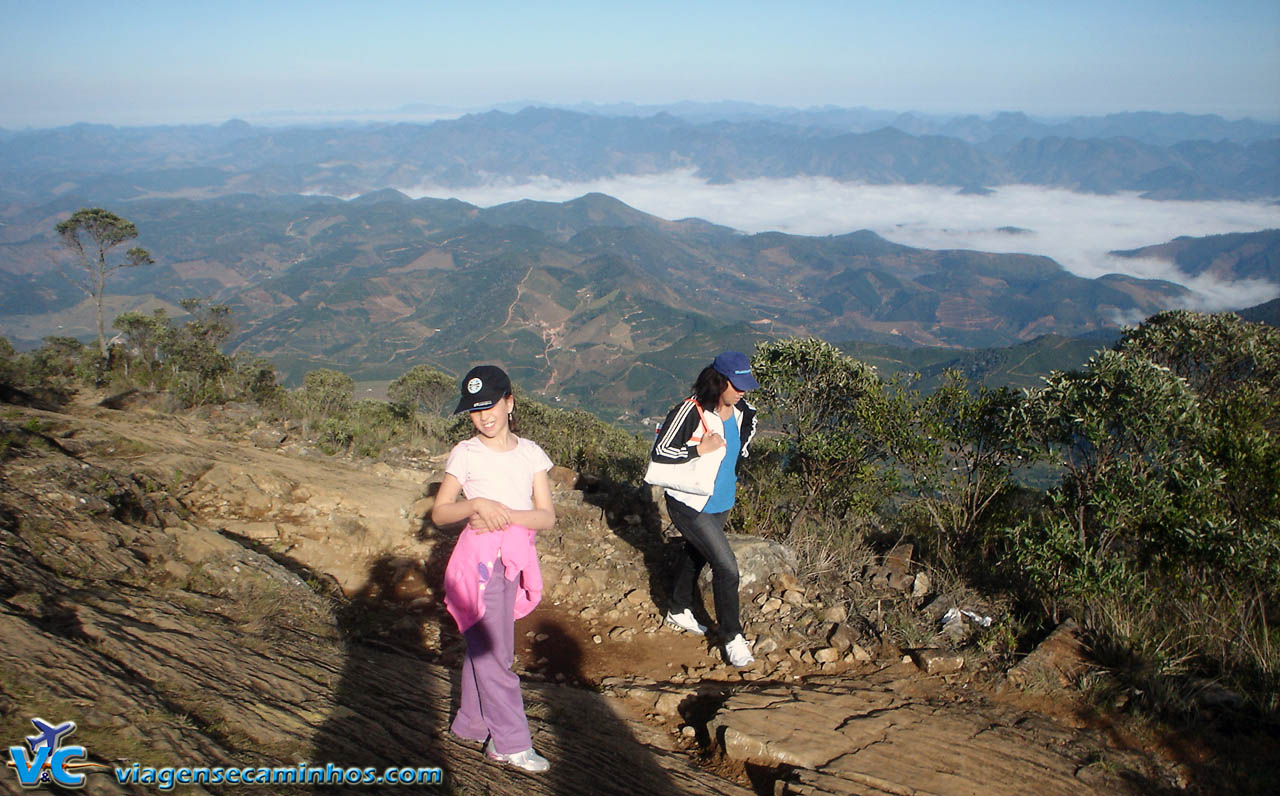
474	386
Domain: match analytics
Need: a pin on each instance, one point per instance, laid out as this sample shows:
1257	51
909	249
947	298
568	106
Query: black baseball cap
482	387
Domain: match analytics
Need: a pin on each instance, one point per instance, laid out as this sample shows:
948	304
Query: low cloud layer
1077	230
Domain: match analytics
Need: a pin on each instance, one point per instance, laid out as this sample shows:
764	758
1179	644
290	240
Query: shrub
838	424
423	389
962	459
8	363
422	395
324	394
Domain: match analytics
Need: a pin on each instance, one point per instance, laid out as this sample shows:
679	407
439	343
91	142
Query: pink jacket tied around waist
472	564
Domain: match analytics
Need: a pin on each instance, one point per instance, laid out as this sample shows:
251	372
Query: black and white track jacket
675	443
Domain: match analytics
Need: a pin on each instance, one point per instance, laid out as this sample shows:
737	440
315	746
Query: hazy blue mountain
998	129
1268	313
1235	256
1100	155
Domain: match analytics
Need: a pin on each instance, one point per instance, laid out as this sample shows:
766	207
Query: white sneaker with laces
528	759
685	621
738	652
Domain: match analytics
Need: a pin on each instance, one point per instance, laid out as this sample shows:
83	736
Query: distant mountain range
589	300
1163	156
1228	258
994	130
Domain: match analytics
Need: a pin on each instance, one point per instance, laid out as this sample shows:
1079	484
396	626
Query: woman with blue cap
714	422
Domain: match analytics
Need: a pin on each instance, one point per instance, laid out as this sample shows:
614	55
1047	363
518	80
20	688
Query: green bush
374	425
1159	501
1147	526
8	363
187	360
767	493
60	362
423	389
962	456
324	394
423	395
1233	368
838	424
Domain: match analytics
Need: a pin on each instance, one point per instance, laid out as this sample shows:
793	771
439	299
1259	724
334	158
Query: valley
570	296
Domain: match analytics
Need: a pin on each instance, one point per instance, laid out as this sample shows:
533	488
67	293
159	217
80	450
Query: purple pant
491	705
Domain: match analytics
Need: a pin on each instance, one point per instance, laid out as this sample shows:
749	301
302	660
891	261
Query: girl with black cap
496	482
714	422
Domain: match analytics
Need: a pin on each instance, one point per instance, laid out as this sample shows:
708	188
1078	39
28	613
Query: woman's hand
489	515
710	443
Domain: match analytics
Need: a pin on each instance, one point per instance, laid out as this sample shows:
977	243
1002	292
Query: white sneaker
685	621
738	652
528	760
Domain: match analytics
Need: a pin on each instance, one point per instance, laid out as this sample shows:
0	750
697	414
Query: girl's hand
489	515
711	442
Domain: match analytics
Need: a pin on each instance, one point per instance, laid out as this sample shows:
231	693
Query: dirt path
619	704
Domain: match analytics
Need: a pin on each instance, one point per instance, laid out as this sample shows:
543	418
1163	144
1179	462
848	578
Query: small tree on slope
90	234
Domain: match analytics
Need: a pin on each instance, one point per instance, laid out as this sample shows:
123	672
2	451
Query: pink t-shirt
507	477
504	476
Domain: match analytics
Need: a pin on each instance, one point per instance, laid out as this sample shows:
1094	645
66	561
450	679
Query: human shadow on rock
394	697
590	748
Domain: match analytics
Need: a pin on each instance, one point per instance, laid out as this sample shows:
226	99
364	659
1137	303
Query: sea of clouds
1075	229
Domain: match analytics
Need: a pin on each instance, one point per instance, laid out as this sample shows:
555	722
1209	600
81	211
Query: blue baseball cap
735	367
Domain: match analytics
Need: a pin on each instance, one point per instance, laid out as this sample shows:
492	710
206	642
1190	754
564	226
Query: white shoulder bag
696	476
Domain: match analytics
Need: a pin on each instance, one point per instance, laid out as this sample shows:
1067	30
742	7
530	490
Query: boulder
899	558
894	570
842	638
785	581
834	613
765	645
268	438
931	661
562	478
758	560
920	588
1056	662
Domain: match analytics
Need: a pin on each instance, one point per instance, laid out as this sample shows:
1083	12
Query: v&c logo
50	763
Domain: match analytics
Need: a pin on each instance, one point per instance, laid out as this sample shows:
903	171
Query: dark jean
705	543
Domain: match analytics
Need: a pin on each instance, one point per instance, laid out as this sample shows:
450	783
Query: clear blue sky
139	61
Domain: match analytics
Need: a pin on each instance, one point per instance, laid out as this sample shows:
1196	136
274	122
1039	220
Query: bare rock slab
874	741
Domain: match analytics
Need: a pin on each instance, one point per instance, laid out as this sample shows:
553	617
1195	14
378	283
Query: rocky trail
201	590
